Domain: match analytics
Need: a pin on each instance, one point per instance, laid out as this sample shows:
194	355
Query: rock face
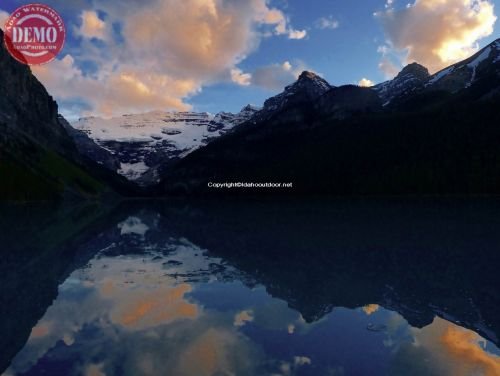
307	88
412	77
345	101
87	147
38	159
141	143
25	105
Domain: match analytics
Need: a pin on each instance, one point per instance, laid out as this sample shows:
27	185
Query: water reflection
252	288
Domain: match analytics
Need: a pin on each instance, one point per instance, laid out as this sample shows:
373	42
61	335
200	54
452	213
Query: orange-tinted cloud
92	26
167	52
214	353
388	68
243	317
241	78
151	309
370	308
365	82
41	330
452	350
465	345
128	90
437	33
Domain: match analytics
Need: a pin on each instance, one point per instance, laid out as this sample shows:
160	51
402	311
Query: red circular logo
34	34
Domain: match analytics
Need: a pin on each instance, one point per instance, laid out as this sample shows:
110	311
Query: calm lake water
324	287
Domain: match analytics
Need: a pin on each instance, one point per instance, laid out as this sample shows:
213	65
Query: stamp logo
34	34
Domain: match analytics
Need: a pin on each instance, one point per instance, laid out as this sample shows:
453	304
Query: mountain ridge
40	148
427	140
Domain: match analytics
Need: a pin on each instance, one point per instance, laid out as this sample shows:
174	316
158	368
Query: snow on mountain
415	78
409	79
142	142
463	74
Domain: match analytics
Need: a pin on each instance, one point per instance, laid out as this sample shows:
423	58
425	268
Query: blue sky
212	55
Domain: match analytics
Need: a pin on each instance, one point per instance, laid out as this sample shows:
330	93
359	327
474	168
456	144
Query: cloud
240	78
370	308
277	76
150	309
301	360
453	351
160	54
437	33
216	352
389	69
127	89
466	346
243	317
92	26
4	16
327	23
133	225
297	34
132	302
365	82
275	17
389	4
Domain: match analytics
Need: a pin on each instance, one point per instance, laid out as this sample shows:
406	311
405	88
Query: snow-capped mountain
415	78
145	144
412	77
142	142
463	74
431	137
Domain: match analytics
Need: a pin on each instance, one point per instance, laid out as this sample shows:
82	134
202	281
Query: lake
251	287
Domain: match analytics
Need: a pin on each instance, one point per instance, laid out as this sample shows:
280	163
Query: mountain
308	87
482	69
38	159
465	73
143	142
412	77
417	134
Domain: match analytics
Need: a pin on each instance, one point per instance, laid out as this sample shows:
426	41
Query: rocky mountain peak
308	75
308	87
311	81
412	77
250	108
416	70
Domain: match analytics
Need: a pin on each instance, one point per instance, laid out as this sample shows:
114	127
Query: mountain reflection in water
251	288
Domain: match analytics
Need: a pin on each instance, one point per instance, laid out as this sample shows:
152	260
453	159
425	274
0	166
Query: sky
133	56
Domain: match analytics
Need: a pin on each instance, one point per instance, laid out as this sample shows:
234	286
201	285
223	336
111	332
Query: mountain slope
463	74
481	69
431	141
38	159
